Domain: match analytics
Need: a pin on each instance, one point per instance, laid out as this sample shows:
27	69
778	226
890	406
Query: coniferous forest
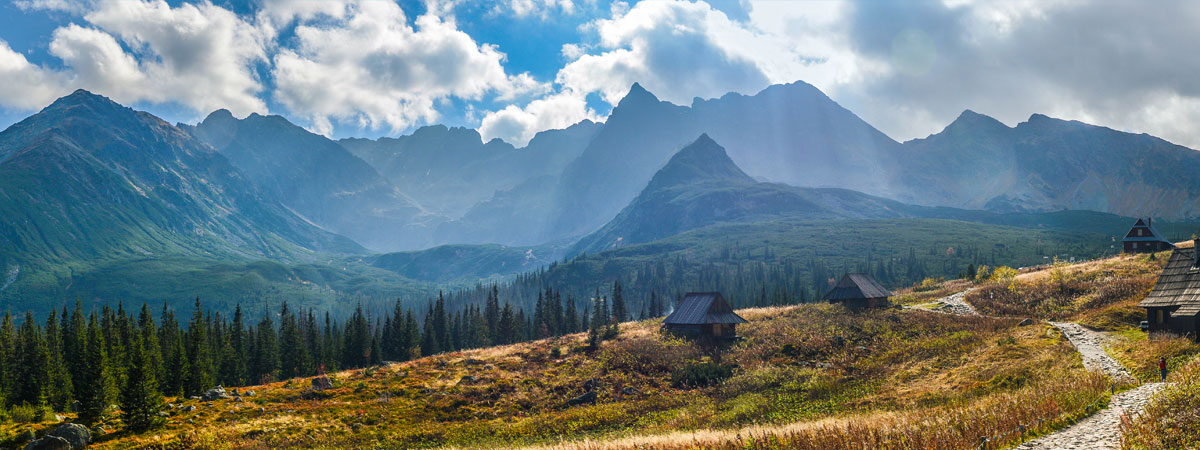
90	361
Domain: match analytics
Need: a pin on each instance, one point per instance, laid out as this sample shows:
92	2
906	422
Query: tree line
85	362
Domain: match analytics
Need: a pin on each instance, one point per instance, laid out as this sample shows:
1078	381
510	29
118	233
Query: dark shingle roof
855	286
699	308
1154	235
1178	284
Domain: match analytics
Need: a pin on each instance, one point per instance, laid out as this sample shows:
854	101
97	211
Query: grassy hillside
888	369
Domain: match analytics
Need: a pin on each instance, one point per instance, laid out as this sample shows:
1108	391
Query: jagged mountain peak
637	95
702	160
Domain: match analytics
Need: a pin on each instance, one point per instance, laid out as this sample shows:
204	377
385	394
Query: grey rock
216	393
75	434
189	408
49	443
251	393
588	397
1025	322
321	383
25	436
629	390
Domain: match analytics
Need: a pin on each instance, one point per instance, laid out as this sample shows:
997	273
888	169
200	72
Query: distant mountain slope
320	180
701	186
1050	164
792	134
451	170
86	180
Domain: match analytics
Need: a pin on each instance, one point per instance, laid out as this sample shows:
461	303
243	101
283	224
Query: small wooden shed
1173	305
857	290
703	315
1143	238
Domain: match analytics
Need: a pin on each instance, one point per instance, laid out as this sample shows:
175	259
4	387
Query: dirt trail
1101	431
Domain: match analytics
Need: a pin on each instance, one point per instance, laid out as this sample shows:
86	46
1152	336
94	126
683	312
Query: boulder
75	434
216	393
25	436
588	397
251	393
321	383
629	390
189	408
591	385
49	443
1025	322
98	431
468	379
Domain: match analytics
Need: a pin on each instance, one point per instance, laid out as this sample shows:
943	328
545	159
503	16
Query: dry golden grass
807	375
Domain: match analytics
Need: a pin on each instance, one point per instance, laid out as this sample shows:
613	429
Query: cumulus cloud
517	125
1113	64
26	86
69	6
540	8
680	50
373	69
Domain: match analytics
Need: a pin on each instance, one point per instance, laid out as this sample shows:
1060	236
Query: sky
511	68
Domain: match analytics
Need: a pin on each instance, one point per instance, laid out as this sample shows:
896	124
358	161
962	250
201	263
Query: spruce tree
140	399
619	311
94	387
59	389
199	379
293	357
266	352
8	357
32	370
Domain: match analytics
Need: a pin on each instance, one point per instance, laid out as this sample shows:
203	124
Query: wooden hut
857	290
1174	303
1143	238
703	315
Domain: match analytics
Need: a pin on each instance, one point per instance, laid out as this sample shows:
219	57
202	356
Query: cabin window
1159	316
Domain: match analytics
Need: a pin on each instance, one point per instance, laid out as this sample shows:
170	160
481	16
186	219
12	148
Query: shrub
648	355
1172	419
24	413
700	375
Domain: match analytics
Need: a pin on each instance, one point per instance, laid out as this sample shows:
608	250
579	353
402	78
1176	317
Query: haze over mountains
87	181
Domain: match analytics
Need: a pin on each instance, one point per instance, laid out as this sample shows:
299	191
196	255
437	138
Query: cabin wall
1160	320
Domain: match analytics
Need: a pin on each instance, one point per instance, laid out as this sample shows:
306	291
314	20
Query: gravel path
1101	431
952	304
1091	347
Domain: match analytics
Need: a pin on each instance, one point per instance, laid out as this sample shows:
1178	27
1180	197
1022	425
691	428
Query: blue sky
511	68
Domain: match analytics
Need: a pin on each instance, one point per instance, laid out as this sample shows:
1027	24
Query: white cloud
373	69
69	6
199	55
540	8
26	86
517	125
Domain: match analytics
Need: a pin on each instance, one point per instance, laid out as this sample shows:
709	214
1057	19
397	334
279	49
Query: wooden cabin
1143	238
703	316
1174	303
857	290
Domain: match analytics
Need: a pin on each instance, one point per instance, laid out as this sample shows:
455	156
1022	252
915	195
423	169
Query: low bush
648	355
1172	419
700	375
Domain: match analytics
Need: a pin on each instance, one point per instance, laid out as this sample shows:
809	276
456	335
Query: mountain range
91	191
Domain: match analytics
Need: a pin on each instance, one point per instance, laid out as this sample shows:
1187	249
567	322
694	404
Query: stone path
1101	431
1090	345
952	304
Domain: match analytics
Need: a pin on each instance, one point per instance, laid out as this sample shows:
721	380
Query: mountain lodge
1174	303
857	290
703	315
1143	238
